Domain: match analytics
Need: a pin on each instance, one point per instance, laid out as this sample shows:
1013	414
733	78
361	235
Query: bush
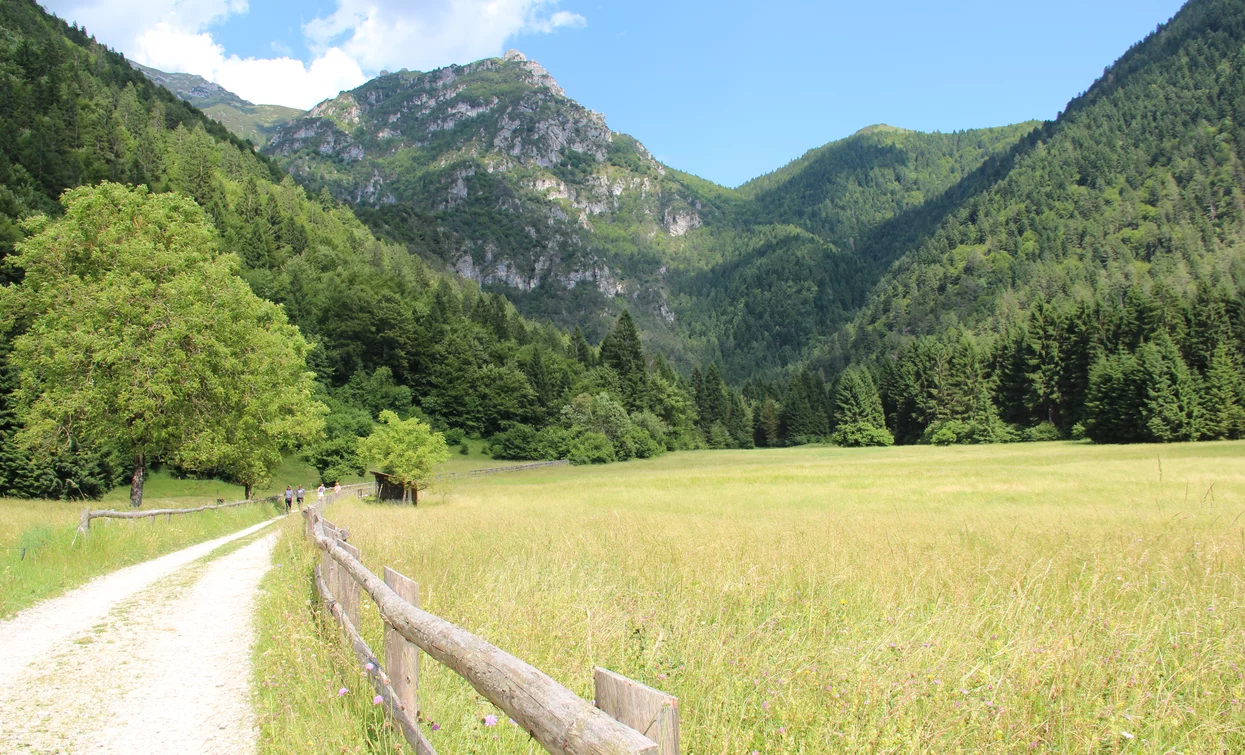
592	448
454	436
464	449
1078	432
862	435
644	445
1044	431
554	442
654	426
517	443
954	431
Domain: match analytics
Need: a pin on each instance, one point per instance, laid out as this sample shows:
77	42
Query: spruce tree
1223	397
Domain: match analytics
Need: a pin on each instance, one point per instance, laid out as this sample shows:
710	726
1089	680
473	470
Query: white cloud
279	81
358	39
399	34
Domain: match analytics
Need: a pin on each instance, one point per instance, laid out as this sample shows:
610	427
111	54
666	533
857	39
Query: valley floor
1043	597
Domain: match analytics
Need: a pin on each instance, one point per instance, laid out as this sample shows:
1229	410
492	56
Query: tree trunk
136	482
414	495
247	495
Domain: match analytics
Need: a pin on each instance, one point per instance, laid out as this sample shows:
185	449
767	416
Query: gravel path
154	658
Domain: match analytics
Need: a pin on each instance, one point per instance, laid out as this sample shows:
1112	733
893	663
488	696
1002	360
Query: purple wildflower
369	666
765	705
490	720
377	700
436	727
342	691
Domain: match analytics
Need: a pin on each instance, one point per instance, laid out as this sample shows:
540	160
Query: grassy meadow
56	561
1055	597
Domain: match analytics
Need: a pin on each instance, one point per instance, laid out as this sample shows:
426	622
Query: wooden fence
84	522
629	717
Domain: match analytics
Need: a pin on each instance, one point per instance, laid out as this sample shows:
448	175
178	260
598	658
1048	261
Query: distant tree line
1142	367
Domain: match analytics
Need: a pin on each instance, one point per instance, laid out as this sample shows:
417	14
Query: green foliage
591	448
140	337
404	449
858	435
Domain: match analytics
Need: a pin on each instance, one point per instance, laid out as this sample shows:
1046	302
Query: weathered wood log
84	521
651	712
561	721
402	655
350	593
380	680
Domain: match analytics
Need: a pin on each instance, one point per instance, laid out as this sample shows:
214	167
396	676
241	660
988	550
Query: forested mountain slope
388	331
244	118
797	257
492	170
1096	284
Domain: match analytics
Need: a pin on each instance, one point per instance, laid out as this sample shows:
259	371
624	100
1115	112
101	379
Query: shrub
517	443
861	435
454	436
592	448
1044	431
954	431
464	449
554	442
644	445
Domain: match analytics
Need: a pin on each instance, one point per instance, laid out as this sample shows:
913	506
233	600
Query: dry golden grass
1044	597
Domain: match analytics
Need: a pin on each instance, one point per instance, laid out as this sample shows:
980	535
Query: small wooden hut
390	489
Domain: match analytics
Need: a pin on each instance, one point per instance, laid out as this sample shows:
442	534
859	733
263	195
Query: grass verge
56	561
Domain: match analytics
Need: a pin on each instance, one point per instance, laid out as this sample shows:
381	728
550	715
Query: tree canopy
139	336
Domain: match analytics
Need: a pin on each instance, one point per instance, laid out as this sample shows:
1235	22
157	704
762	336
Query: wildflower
377	700
514	722
765	705
370	666
782	730
1126	735
436	727
490	720
661	676
342	691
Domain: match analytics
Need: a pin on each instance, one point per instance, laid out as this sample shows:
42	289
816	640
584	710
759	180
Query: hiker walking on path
337	488
320	493
301	494
289	498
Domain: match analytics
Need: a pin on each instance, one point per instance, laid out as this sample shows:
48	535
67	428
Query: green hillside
388	331
1099	278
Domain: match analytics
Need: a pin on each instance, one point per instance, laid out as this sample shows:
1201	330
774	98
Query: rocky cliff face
542	197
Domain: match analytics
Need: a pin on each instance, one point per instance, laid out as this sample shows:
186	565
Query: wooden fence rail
84	522
557	718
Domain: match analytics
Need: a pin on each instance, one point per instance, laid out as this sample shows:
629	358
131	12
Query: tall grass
55	560
1032	598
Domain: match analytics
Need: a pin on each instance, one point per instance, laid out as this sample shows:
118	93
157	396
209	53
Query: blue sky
726	90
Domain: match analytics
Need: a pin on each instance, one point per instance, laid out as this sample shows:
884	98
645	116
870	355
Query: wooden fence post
350	590
651	712
402	655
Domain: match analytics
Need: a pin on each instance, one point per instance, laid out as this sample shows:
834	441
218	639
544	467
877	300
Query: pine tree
1223	397
622	352
1173	400
579	349
858	411
766	424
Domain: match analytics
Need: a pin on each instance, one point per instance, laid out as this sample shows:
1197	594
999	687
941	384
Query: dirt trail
154	658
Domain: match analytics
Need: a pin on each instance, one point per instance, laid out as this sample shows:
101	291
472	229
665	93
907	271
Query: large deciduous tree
406	450
137	334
